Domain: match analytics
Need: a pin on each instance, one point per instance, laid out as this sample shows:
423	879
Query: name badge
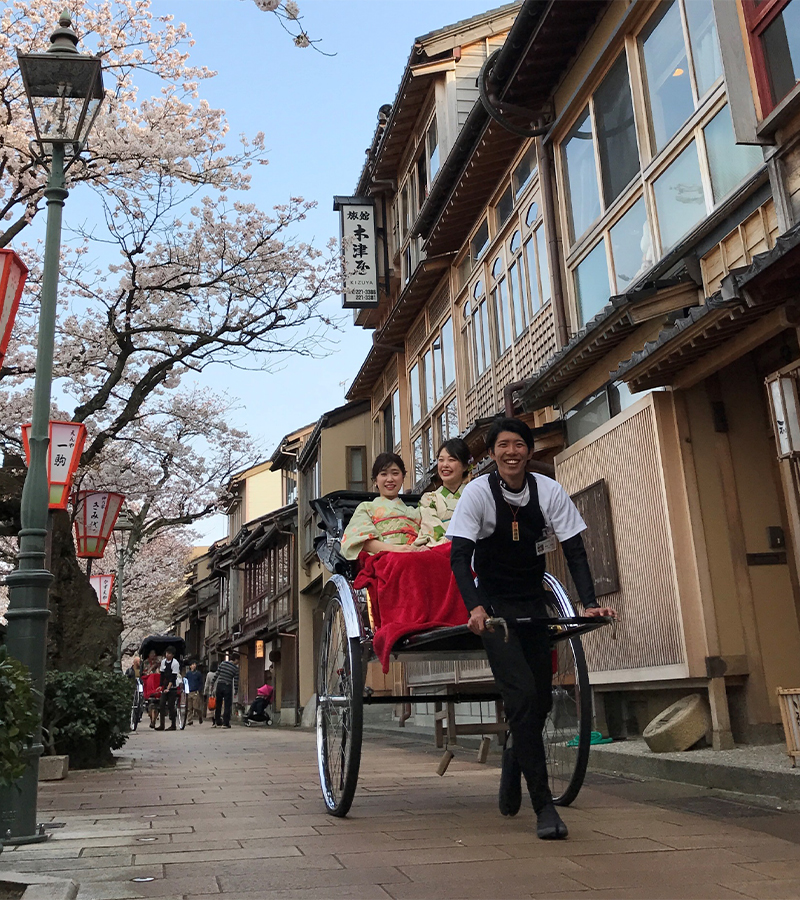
547	544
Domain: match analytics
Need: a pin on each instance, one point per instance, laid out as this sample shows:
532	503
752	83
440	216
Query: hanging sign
103	586
63	455
95	515
13	273
259	649
359	252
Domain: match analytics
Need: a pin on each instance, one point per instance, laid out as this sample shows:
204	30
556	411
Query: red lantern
13	273
96	513
63	455
103	586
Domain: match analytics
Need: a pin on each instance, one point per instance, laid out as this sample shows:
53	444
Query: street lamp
124	524
64	89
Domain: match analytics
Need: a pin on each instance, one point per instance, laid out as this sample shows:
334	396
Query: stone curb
741	779
41	887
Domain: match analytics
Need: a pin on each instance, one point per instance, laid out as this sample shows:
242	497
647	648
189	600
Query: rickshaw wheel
181	708
136	706
568	729
340	710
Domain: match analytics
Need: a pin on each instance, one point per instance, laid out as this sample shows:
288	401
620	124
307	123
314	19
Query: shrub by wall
86	715
17	717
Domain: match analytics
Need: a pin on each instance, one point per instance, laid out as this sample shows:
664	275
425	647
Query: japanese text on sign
360	270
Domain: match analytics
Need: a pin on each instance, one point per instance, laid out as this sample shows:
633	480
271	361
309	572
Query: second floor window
774	31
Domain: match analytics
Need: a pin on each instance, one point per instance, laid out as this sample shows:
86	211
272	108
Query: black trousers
523	670
167	702
224	698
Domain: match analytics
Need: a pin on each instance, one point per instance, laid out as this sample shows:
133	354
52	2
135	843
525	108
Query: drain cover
140	878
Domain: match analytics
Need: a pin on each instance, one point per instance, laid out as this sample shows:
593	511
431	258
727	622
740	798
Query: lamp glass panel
789	391
779	415
65	93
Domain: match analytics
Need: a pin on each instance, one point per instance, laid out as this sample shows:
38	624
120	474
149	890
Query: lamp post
64	90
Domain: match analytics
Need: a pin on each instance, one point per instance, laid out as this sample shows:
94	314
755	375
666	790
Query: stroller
258	708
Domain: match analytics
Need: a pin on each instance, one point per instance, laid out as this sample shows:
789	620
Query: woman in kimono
385	524
437	506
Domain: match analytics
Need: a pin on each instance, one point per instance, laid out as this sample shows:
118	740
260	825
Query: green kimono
438	507
390	521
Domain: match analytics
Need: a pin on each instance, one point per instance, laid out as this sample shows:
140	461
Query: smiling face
451	470
389	481
511	454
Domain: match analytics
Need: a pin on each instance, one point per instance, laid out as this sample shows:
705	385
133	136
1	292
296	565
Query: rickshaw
148	696
346	649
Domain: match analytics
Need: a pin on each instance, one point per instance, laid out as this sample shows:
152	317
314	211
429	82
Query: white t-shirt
174	668
475	516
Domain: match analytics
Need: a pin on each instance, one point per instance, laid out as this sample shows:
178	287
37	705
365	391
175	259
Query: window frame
757	19
350	454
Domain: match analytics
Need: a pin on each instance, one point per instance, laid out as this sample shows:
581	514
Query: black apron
510	570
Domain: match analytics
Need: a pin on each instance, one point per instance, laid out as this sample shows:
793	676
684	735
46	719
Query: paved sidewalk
238	812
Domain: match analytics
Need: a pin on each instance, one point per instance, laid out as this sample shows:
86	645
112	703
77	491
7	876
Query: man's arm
578	564
461	551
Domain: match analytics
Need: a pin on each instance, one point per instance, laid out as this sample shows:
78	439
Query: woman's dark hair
516	426
458	449
384	460
213	667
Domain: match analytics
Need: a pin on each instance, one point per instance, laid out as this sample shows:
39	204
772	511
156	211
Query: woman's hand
593	611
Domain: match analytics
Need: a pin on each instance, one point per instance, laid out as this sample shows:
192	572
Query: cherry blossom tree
178	273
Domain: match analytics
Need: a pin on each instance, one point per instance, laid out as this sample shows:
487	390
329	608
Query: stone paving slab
239	813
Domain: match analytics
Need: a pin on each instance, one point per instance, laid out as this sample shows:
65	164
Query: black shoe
226	726
510	797
158	727
152	724
172	727
549	826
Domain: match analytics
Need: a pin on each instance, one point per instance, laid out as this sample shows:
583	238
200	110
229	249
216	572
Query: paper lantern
103	586
63	455
96	513
13	273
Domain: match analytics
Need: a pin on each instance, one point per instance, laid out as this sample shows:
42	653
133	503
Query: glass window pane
515	242
525	168
591	284
419	470
396	417
422	178
430	385
517	299
729	162
448	355
451	414
416	404
504	208
544	270
484	345
616	132
502	314
433	149
356	466
533	212
581	176
477	291
781	43
532	272
667	71
478	243
497	267
427	448
679	198
705	43
631	245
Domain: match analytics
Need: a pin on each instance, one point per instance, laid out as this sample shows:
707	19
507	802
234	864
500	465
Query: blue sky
319	115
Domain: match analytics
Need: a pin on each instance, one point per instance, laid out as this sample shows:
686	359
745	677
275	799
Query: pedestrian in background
194	678
208	692
226	685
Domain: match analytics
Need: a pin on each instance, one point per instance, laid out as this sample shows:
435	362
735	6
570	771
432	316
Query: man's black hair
170	649
384	460
517	426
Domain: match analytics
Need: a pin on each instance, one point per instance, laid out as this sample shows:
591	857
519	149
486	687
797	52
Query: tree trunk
80	632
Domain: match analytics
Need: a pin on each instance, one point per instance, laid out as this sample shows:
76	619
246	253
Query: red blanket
409	592
152	685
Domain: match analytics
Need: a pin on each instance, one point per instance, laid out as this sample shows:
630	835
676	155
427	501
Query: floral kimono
390	521
437	508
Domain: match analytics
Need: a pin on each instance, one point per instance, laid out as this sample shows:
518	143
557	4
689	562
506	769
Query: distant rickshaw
147	688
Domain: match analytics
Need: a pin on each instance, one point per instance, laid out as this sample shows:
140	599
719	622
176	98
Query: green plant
86	715
18	717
